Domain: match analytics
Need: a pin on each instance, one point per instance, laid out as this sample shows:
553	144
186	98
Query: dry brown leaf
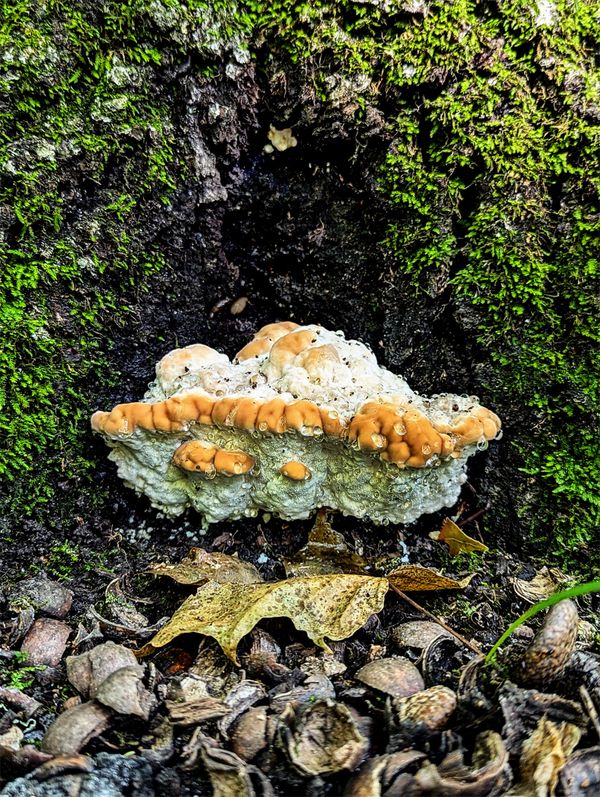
545	583
456	540
543	756
200	566
325	552
414	578
228	774
333	606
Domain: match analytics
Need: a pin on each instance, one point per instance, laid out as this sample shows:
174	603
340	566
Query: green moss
19	674
87	145
492	181
63	557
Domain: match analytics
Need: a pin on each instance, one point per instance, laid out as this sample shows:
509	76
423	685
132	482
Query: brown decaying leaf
545	583
543	756
333	606
200	566
414	578
325	552
456	540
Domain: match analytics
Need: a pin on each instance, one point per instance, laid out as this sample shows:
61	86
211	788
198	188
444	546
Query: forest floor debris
398	705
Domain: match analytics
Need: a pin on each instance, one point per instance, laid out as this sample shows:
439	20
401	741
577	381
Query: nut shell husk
414	719
395	676
546	658
249	736
325	738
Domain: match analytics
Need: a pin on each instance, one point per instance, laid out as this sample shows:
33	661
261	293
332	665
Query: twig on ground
473	516
589	706
437	620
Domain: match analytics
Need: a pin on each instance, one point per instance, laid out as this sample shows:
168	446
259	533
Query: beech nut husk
546	658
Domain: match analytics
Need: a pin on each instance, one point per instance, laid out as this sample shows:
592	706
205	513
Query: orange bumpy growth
302	418
480	424
264	339
402	436
195	456
297	471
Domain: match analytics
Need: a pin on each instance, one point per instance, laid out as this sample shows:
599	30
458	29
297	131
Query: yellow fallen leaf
456	540
200	566
333	606
414	578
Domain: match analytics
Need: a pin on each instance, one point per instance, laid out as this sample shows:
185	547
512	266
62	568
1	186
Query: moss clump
492	110
89	155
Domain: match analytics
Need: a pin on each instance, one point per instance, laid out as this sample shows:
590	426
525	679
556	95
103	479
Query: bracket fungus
301	418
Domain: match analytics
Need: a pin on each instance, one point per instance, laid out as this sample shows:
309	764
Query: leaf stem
572	592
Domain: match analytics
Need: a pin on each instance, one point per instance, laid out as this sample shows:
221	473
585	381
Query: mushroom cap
179	362
354	432
264	339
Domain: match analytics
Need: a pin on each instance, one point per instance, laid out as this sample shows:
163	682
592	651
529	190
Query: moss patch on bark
492	114
91	165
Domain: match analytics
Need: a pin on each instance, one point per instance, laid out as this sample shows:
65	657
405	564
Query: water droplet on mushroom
426	449
333	415
263	426
306	431
378	440
238	467
482	444
400	428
